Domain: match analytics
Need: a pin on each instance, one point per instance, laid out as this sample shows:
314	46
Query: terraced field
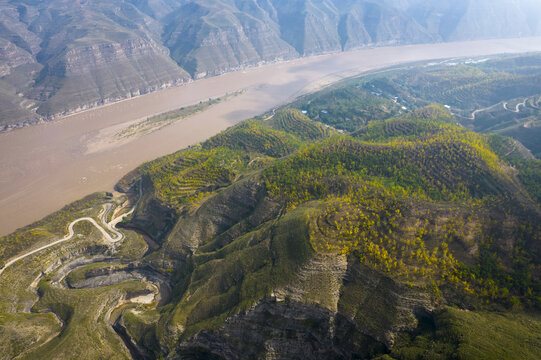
253	137
495	96
190	175
347	107
296	123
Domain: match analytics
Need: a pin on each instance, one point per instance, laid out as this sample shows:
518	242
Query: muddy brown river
46	166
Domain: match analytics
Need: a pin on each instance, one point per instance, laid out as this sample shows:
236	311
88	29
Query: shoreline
55	169
70	113
243	69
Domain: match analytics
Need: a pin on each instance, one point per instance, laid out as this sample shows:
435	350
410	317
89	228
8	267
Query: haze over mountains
59	56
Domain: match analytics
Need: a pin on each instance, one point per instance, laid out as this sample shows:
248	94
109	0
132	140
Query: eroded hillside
285	237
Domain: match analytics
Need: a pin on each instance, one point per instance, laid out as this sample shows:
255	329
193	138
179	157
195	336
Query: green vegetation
82	272
529	175
254	137
194	173
157	122
50	228
369	191
21	332
347	107
376	240
58	322
85	333
132	247
529	168
233	278
141	326
448	165
188	176
497	96
296	123
462	86
415	199
462	334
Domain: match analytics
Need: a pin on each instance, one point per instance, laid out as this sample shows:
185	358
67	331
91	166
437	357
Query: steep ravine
136	352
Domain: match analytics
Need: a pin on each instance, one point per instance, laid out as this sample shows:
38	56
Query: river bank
45	166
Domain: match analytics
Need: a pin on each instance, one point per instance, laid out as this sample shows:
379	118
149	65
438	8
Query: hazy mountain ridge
59	56
464	19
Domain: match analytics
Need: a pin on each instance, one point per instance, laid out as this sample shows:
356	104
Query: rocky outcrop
218	38
11	57
380	306
151	218
282	330
318	282
369	312
317	27
103	73
84	55
226	216
206	41
82	60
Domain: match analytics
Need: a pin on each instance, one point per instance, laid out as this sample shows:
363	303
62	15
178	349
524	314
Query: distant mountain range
60	56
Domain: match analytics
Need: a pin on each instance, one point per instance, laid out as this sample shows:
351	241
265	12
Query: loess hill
357	230
336	246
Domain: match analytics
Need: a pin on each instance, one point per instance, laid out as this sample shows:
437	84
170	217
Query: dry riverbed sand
47	166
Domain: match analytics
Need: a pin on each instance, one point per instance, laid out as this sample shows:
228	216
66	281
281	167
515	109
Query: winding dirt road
111	226
474	114
517	107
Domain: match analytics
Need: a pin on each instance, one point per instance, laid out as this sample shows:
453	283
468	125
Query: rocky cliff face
83	55
209	44
11	57
90	53
208	38
102	73
280	330
379	24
